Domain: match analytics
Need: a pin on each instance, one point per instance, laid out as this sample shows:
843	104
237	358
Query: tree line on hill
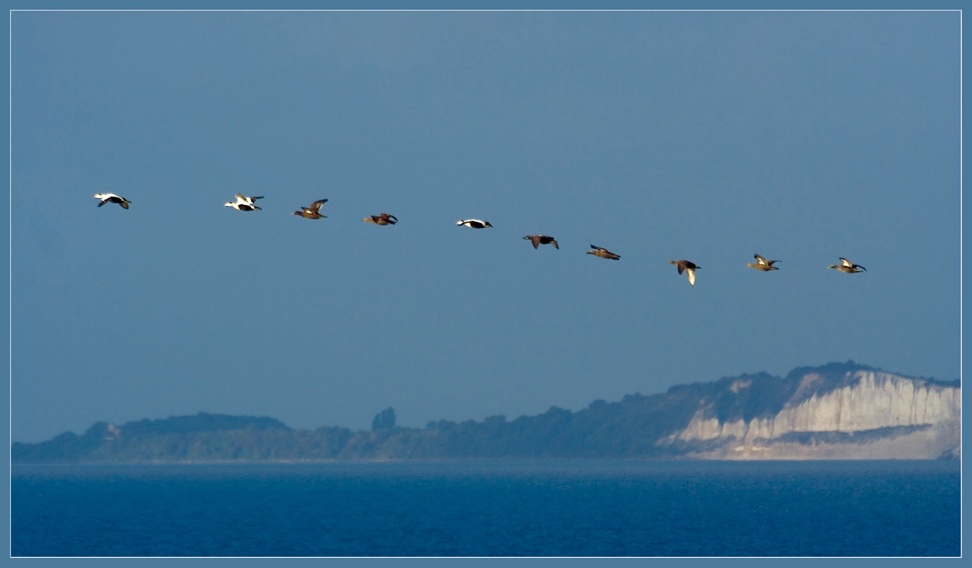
630	428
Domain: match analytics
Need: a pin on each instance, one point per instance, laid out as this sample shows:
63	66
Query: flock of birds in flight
244	203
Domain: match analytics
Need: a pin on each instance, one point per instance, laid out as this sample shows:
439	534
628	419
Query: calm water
489	509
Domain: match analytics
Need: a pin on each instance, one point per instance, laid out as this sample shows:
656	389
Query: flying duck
112	198
312	212
542	240
688	267
848	267
474	223
603	253
383	219
243	203
763	264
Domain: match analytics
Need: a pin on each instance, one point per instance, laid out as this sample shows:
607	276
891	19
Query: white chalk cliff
865	414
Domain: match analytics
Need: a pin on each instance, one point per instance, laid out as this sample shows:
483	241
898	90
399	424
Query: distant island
837	411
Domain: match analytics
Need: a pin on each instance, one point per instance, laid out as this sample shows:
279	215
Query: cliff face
868	414
836	411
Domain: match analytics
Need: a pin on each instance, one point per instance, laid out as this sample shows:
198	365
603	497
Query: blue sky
709	136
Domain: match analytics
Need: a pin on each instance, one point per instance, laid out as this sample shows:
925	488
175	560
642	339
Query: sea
489	509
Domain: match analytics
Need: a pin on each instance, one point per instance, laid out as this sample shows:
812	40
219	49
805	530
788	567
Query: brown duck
383	219
538	240
602	252
312	212
848	267
763	264
687	267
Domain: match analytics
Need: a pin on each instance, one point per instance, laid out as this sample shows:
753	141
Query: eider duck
763	264
112	198
383	219
848	267
312	212
688	267
474	223
243	203
542	240
603	253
